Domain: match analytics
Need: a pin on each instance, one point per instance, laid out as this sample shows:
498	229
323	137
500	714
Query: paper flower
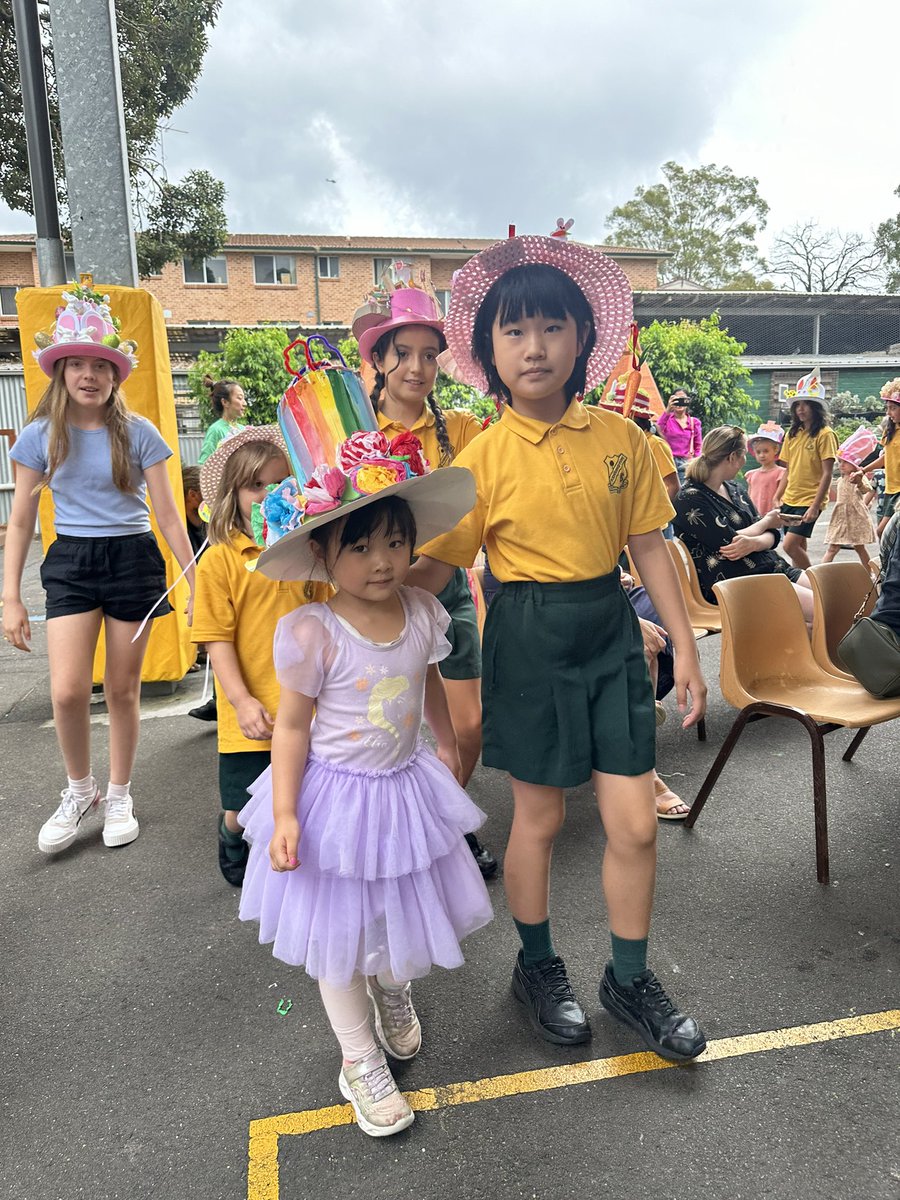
376	474
283	509
407	445
324	489
360	447
891	390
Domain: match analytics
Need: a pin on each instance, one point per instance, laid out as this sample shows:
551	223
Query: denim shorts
122	576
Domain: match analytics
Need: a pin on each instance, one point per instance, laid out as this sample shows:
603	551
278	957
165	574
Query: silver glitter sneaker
380	1106
396	1022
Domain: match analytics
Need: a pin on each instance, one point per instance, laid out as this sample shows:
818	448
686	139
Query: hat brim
808	400
368	337
438	500
212	470
602	281
50	356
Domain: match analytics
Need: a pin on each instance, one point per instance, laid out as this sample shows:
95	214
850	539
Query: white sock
388	983
118	791
82	789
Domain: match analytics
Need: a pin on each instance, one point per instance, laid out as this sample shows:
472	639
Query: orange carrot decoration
634	377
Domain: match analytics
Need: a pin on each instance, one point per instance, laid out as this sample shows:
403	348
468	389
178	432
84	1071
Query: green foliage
887	240
161	49
708	219
254	357
704	359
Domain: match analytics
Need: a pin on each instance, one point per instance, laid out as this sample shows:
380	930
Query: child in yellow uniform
808	452
567	698
890	457
235	613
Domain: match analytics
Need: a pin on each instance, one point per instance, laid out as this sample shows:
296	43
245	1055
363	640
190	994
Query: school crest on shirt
617	466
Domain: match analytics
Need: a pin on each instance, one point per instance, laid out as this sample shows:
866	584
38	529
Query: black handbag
870	651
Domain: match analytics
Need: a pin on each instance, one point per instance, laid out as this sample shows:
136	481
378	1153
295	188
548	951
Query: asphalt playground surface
144	1054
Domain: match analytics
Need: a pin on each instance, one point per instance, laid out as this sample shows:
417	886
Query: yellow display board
148	392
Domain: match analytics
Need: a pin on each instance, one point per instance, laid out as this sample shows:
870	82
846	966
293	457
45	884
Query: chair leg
847	756
819	805
721	758
701	730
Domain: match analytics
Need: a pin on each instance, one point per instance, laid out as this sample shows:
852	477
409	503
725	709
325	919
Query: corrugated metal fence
13	411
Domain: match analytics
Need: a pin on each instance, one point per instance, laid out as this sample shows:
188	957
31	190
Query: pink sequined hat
603	282
396	301
859	445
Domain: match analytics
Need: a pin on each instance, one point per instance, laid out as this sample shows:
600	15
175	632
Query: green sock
629	956
536	943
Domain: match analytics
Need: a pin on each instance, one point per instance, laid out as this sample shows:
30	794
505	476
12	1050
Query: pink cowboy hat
85	328
403	306
603	282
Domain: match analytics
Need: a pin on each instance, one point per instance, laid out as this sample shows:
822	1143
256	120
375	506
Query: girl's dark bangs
393	515
538	290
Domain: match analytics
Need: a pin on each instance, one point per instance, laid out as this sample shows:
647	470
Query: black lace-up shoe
487	864
646	1007
545	991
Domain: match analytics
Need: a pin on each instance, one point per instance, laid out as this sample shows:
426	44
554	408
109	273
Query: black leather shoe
205	712
646	1007
545	991
232	858
487	864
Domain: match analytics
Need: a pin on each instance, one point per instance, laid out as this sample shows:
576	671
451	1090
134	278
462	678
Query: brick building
289	279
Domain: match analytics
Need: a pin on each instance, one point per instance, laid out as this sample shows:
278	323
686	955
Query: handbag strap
859	612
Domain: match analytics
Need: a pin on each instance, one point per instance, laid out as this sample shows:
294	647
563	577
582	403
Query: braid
447	452
375	394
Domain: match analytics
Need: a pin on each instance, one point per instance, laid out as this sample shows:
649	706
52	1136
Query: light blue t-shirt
87	502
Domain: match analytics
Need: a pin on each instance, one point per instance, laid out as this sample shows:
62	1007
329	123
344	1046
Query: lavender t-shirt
86	501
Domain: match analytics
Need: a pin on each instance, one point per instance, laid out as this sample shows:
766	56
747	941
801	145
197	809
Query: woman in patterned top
719	524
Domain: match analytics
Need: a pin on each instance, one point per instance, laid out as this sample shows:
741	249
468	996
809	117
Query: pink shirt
762	486
684	442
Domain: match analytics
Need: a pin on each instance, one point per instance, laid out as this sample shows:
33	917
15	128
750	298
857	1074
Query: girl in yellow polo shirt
890	456
567	697
808	452
400	334
235	612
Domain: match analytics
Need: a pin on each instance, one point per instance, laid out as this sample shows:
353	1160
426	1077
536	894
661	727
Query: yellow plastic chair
768	670
838	588
701	613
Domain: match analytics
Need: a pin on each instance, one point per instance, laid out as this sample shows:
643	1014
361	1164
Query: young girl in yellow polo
567	698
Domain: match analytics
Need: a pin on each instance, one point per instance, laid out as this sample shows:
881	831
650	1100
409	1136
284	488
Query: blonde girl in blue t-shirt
104	569
567	697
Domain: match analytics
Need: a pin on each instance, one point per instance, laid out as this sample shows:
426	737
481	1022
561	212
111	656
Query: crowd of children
330	641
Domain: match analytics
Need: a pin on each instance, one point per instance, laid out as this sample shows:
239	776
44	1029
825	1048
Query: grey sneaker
121	825
379	1105
396	1022
61	829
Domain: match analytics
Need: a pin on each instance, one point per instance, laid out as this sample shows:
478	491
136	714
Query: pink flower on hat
324	489
360	447
891	391
407	445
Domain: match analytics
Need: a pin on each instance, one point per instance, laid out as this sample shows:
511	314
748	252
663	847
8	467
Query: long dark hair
219	392
534	290
381	347
820	418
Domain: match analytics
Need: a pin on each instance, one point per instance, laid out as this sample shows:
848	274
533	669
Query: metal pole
86	52
817	329
50	254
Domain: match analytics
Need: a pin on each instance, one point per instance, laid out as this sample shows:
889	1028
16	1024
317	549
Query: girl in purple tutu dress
358	866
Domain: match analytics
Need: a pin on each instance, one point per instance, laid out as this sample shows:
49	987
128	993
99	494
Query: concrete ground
144	1054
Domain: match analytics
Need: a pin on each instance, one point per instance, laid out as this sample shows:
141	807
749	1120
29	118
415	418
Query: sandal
667	803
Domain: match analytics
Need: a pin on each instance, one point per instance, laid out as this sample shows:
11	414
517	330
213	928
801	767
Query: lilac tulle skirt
386	881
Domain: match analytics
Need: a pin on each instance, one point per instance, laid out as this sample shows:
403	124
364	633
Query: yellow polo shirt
462	427
892	464
556	503
232	604
803	456
662	455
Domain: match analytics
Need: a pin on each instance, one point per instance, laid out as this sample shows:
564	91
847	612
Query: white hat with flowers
85	327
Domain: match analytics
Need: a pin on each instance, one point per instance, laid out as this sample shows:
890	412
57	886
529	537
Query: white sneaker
120	826
396	1022
62	828
380	1106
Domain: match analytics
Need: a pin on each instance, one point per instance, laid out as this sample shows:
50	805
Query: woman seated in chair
718	522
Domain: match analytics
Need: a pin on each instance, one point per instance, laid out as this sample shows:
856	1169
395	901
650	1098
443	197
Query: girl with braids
228	403
400	334
99	462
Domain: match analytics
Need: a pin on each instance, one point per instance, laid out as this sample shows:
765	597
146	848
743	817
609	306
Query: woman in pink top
682	431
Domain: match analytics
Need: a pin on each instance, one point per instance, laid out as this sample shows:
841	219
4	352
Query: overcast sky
457	119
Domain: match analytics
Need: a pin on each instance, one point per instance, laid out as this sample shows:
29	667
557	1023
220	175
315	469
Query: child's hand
189	610
283	846
255	722
449	756
16	626
689	681
811	514
626	580
654	638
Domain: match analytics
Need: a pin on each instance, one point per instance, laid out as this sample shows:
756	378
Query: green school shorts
236	772
566	689
464	660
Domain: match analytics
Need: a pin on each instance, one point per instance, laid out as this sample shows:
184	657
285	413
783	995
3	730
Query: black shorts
236	772
123	576
805	528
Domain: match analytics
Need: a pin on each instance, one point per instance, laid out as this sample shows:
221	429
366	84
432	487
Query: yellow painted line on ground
262	1176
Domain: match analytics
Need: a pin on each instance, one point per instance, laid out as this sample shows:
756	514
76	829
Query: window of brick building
329	266
8	300
379	266
207	270
443	298
274	268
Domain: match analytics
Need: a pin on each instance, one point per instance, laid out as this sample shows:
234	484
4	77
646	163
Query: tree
161	49
705	360
814	259
253	357
887	239
708	218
